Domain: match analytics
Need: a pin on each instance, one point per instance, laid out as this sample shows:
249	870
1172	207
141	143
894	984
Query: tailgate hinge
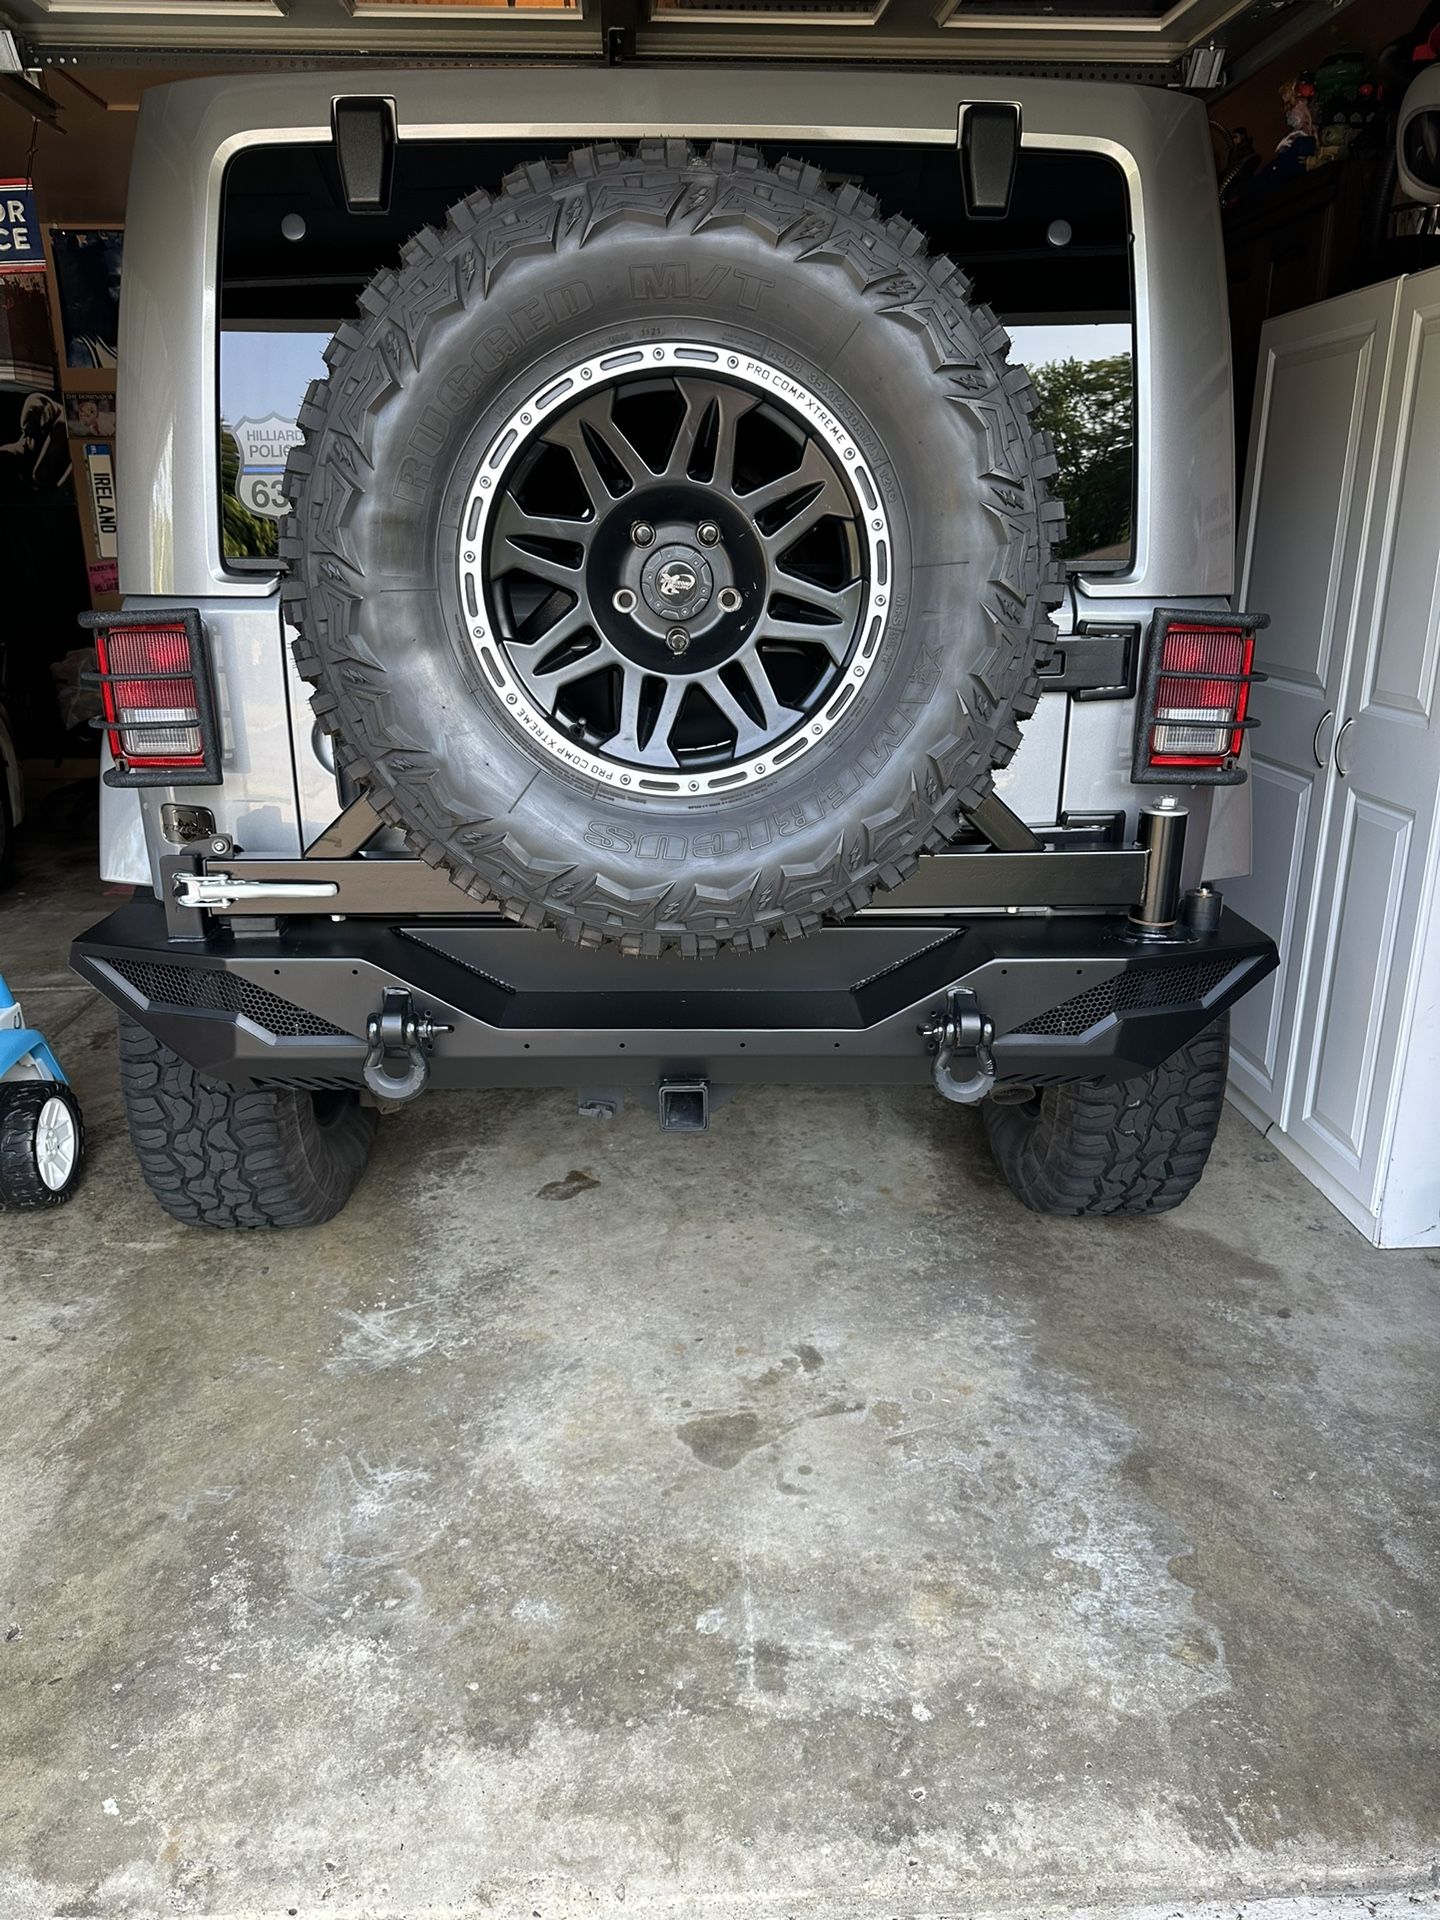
1097	662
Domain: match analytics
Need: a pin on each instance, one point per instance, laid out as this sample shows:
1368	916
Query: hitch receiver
684	1106
398	1030
962	1029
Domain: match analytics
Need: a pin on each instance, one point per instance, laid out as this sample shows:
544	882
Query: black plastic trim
364	132
989	155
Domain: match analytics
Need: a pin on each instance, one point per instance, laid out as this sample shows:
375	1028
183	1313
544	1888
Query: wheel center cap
677	582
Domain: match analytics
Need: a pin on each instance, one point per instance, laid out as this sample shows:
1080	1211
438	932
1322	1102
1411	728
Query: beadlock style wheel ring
674	568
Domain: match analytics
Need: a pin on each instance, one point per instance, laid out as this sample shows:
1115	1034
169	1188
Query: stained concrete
776	1521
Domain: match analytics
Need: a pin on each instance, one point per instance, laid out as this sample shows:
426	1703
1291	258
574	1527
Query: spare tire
670	547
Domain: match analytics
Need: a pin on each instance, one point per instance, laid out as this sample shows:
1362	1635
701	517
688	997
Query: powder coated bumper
1071	996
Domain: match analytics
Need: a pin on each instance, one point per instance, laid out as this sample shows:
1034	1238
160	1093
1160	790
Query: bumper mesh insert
214	991
1179	983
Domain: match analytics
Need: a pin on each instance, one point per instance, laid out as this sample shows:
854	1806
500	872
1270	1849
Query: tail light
154	681
1194	706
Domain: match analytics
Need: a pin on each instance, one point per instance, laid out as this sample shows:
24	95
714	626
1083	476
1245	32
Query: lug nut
728	600
642	533
624	600
677	639
708	533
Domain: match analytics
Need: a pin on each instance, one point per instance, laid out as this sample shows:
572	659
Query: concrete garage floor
776	1522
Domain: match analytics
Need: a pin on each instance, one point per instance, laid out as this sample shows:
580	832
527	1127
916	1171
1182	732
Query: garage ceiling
1120	37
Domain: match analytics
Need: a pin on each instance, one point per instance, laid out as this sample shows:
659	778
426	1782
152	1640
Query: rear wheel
1136	1146
214	1156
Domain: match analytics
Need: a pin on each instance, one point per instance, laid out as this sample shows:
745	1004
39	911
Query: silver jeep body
279	790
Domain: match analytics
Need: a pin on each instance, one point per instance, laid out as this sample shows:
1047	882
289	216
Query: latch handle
229	890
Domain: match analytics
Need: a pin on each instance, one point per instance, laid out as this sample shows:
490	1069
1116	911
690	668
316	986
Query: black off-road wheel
214	1156
670	547
1137	1146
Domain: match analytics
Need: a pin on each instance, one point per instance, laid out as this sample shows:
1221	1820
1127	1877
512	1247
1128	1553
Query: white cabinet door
1311	470
1376	869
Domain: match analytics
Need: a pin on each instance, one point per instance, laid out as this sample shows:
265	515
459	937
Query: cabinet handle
1322	759
1341	764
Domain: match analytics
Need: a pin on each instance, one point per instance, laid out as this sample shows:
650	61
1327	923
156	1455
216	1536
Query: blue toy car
42	1135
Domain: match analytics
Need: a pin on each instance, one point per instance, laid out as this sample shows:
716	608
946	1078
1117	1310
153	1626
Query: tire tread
217	1156
1135	1146
888	261
21	1188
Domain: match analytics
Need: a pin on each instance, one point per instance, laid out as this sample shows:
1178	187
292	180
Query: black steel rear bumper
1070	996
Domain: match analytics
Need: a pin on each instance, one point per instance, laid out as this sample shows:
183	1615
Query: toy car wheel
42	1144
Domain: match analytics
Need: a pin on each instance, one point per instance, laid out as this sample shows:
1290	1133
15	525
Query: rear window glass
1084	375
264	372
1057	271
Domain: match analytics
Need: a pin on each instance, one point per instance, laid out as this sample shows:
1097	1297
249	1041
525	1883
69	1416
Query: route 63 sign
264	446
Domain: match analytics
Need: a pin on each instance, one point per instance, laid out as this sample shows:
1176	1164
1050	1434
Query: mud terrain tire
773	266
217	1156
1136	1146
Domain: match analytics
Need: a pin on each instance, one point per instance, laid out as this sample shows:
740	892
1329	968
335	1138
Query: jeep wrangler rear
600	612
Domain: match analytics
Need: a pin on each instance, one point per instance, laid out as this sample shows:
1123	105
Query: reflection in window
1082	370
264	374
1084	378
247	535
